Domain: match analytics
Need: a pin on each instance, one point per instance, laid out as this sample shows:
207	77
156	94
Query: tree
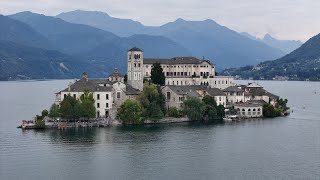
157	75
152	102
173	112
194	108
271	111
220	112
86	107
209	100
211	113
68	108
44	113
130	112
54	111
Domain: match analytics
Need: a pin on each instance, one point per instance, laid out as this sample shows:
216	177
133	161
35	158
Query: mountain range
287	46
301	64
96	42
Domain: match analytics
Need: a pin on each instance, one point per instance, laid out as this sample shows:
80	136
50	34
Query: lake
279	148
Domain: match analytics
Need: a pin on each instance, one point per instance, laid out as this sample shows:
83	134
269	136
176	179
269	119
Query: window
220	98
98	105
146	73
107	105
135	65
175	74
201	73
139	65
167	73
64	95
168	95
107	96
98	96
185	74
177	82
118	95
74	95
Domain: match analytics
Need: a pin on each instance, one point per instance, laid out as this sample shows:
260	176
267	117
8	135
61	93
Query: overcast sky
284	19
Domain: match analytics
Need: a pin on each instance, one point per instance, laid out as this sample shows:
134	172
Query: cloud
285	19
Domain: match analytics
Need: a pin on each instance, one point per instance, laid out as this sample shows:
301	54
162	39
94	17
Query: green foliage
86	108
173	112
69	108
209	100
282	104
152	102
194	108
44	113
271	111
220	111
211	110
40	124
130	112
54	111
157	75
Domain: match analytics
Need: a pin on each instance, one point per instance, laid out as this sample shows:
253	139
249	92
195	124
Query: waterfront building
175	95
107	93
234	95
250	109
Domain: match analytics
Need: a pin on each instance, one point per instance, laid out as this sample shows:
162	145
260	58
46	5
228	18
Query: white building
108	95
250	109
178	71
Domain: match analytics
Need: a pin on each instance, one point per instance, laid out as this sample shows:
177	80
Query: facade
250	109
108	95
175	95
234	95
186	71
135	70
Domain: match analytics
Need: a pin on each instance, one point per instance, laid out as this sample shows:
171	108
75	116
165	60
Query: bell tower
135	68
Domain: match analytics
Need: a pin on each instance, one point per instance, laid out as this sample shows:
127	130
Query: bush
44	113
130	112
173	112
271	111
40	124
194	108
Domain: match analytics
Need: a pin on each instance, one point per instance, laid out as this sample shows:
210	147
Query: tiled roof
215	92
262	92
135	49
232	89
131	91
91	85
176	60
187	90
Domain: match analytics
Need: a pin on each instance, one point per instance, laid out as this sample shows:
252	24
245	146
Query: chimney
85	76
69	86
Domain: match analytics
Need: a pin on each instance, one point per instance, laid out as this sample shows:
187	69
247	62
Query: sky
283	19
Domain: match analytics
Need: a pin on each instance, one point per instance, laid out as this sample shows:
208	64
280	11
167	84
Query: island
180	89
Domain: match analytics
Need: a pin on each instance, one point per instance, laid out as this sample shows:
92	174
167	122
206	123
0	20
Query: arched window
259	109
254	110
249	109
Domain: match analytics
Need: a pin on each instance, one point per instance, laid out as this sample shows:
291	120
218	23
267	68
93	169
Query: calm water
281	148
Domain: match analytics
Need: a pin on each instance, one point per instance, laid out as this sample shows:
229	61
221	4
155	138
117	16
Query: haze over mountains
301	64
287	46
96	42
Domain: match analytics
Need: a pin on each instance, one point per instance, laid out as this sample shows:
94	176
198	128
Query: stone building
175	95
178	71
250	109
108	95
